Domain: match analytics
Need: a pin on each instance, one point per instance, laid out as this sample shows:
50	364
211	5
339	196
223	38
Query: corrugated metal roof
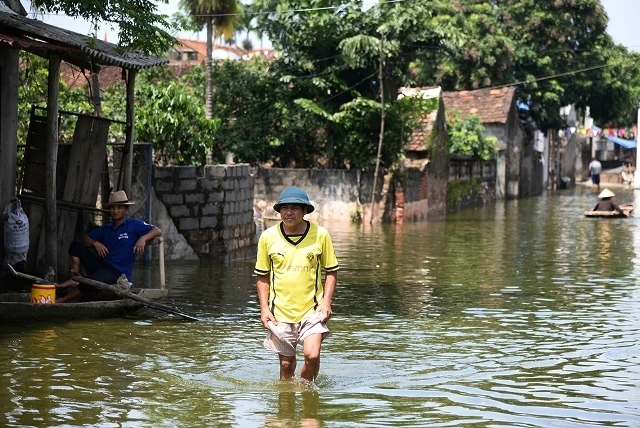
73	47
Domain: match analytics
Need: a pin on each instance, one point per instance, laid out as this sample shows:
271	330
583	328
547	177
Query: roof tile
492	105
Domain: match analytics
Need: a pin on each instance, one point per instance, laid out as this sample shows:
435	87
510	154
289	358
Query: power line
309	9
553	76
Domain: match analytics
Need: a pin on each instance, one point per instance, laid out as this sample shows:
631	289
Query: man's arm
330	283
142	241
262	284
102	251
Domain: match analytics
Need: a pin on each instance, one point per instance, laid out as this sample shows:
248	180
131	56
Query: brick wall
212	207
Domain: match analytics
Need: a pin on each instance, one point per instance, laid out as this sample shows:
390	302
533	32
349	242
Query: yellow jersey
293	264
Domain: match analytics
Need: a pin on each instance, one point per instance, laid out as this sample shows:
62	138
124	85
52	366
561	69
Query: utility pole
636	173
380	141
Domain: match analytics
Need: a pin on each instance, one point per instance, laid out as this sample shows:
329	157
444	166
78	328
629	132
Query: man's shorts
283	337
595	178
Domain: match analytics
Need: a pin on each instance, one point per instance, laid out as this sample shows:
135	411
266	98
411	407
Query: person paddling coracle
606	202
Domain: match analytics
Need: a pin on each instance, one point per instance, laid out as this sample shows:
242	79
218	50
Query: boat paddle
101	285
129	295
27	276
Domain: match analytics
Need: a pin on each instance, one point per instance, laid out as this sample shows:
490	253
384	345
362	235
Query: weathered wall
337	195
212	207
510	143
421	189
470	183
531	183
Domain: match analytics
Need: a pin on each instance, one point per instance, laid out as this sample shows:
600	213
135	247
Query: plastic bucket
43	294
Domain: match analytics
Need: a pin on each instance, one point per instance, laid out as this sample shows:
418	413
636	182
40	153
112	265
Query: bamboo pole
129	295
50	209
380	141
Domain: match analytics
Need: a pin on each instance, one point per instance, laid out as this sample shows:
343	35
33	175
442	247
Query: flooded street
522	314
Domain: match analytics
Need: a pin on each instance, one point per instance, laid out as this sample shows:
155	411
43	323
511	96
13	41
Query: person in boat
294	303
606	202
108	251
595	168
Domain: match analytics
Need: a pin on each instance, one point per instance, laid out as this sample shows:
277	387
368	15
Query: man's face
118	212
292	215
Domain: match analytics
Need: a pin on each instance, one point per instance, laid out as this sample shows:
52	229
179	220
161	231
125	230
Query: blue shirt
120	242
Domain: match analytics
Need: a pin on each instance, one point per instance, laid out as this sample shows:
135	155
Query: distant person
595	168
294	303
606	202
108	251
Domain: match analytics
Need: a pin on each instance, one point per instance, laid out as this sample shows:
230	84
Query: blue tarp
627	144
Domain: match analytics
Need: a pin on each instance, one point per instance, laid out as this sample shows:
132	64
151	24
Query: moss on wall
461	193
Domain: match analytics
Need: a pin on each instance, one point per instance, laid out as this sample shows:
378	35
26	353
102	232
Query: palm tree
221	18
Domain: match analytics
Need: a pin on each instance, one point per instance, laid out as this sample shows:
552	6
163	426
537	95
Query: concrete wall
212	207
337	195
470	184
511	137
531	183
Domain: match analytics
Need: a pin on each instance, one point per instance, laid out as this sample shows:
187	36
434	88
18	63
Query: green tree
337	50
220	18
169	114
141	26
540	46
466	137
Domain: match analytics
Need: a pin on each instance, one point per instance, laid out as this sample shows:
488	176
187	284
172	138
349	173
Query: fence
465	168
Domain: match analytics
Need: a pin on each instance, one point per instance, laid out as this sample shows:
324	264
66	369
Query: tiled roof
201	48
416	142
492	105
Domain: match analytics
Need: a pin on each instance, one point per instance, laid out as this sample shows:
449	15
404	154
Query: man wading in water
294	304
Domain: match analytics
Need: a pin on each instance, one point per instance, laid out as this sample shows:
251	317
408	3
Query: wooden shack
54	182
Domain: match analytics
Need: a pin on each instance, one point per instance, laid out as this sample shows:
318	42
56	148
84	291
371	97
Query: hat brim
293	201
110	204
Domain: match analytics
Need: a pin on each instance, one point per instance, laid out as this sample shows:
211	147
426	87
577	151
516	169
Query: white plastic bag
16	233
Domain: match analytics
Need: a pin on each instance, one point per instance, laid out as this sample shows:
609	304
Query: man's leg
311	366
287	366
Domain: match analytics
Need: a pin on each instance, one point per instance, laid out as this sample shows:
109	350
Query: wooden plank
84	174
128	152
35	212
9	84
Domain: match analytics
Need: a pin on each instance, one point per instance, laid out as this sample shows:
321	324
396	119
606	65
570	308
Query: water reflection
520	314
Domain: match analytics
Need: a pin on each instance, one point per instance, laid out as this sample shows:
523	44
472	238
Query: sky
624	17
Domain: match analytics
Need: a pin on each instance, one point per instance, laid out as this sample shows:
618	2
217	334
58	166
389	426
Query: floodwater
522	314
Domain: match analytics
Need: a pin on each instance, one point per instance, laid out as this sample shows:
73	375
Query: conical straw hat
606	193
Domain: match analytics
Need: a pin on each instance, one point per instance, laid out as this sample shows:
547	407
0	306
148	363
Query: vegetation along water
520	314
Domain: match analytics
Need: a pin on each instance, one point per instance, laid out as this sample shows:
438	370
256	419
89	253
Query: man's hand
100	249
139	247
265	317
325	308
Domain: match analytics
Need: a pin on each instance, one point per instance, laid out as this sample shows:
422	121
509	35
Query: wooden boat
18	306
626	212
